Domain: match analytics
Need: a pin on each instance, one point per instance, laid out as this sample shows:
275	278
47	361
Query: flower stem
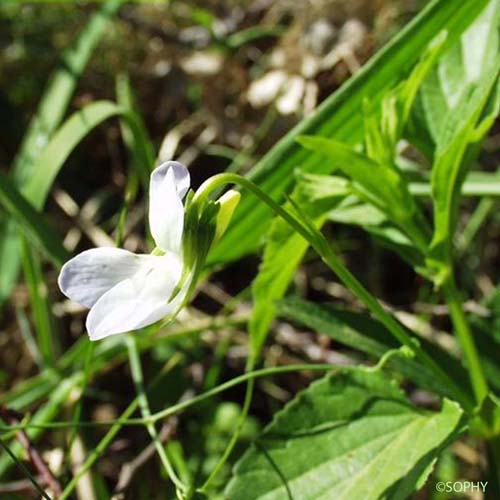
174	409
136	369
465	339
234	438
320	244
116	425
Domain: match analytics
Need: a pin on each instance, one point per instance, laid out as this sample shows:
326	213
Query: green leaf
384	129
379	184
40	304
366	335
31	222
60	88
138	144
285	249
352	434
67	137
448	86
454	156
340	117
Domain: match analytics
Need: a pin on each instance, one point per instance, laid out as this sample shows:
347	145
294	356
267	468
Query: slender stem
237	431
319	243
79	406
172	410
136	369
466	341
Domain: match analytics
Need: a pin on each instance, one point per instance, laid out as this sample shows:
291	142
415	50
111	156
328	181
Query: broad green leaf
285	249
353	211
365	335
340	117
352	434
449	84
31	222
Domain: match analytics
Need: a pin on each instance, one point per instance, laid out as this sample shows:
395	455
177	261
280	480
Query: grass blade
32	223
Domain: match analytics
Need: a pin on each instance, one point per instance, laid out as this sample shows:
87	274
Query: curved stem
172	410
320	244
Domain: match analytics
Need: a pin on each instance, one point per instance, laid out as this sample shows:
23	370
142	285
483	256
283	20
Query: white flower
125	291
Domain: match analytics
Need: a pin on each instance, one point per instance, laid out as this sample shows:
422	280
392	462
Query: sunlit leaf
353	434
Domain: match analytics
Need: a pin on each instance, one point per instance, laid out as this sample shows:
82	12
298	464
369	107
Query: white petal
89	275
169	184
137	301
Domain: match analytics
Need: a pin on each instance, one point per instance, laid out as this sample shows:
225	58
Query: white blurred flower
126	291
290	81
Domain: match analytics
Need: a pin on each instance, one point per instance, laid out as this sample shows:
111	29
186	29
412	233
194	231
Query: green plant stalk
137	376
319	243
465	339
475	223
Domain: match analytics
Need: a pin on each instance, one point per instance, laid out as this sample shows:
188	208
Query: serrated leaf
350	435
383	129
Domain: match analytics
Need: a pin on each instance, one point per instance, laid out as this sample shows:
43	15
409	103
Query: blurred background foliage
217	83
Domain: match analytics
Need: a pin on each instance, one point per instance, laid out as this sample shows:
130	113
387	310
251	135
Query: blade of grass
60	88
139	144
40	304
31	222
